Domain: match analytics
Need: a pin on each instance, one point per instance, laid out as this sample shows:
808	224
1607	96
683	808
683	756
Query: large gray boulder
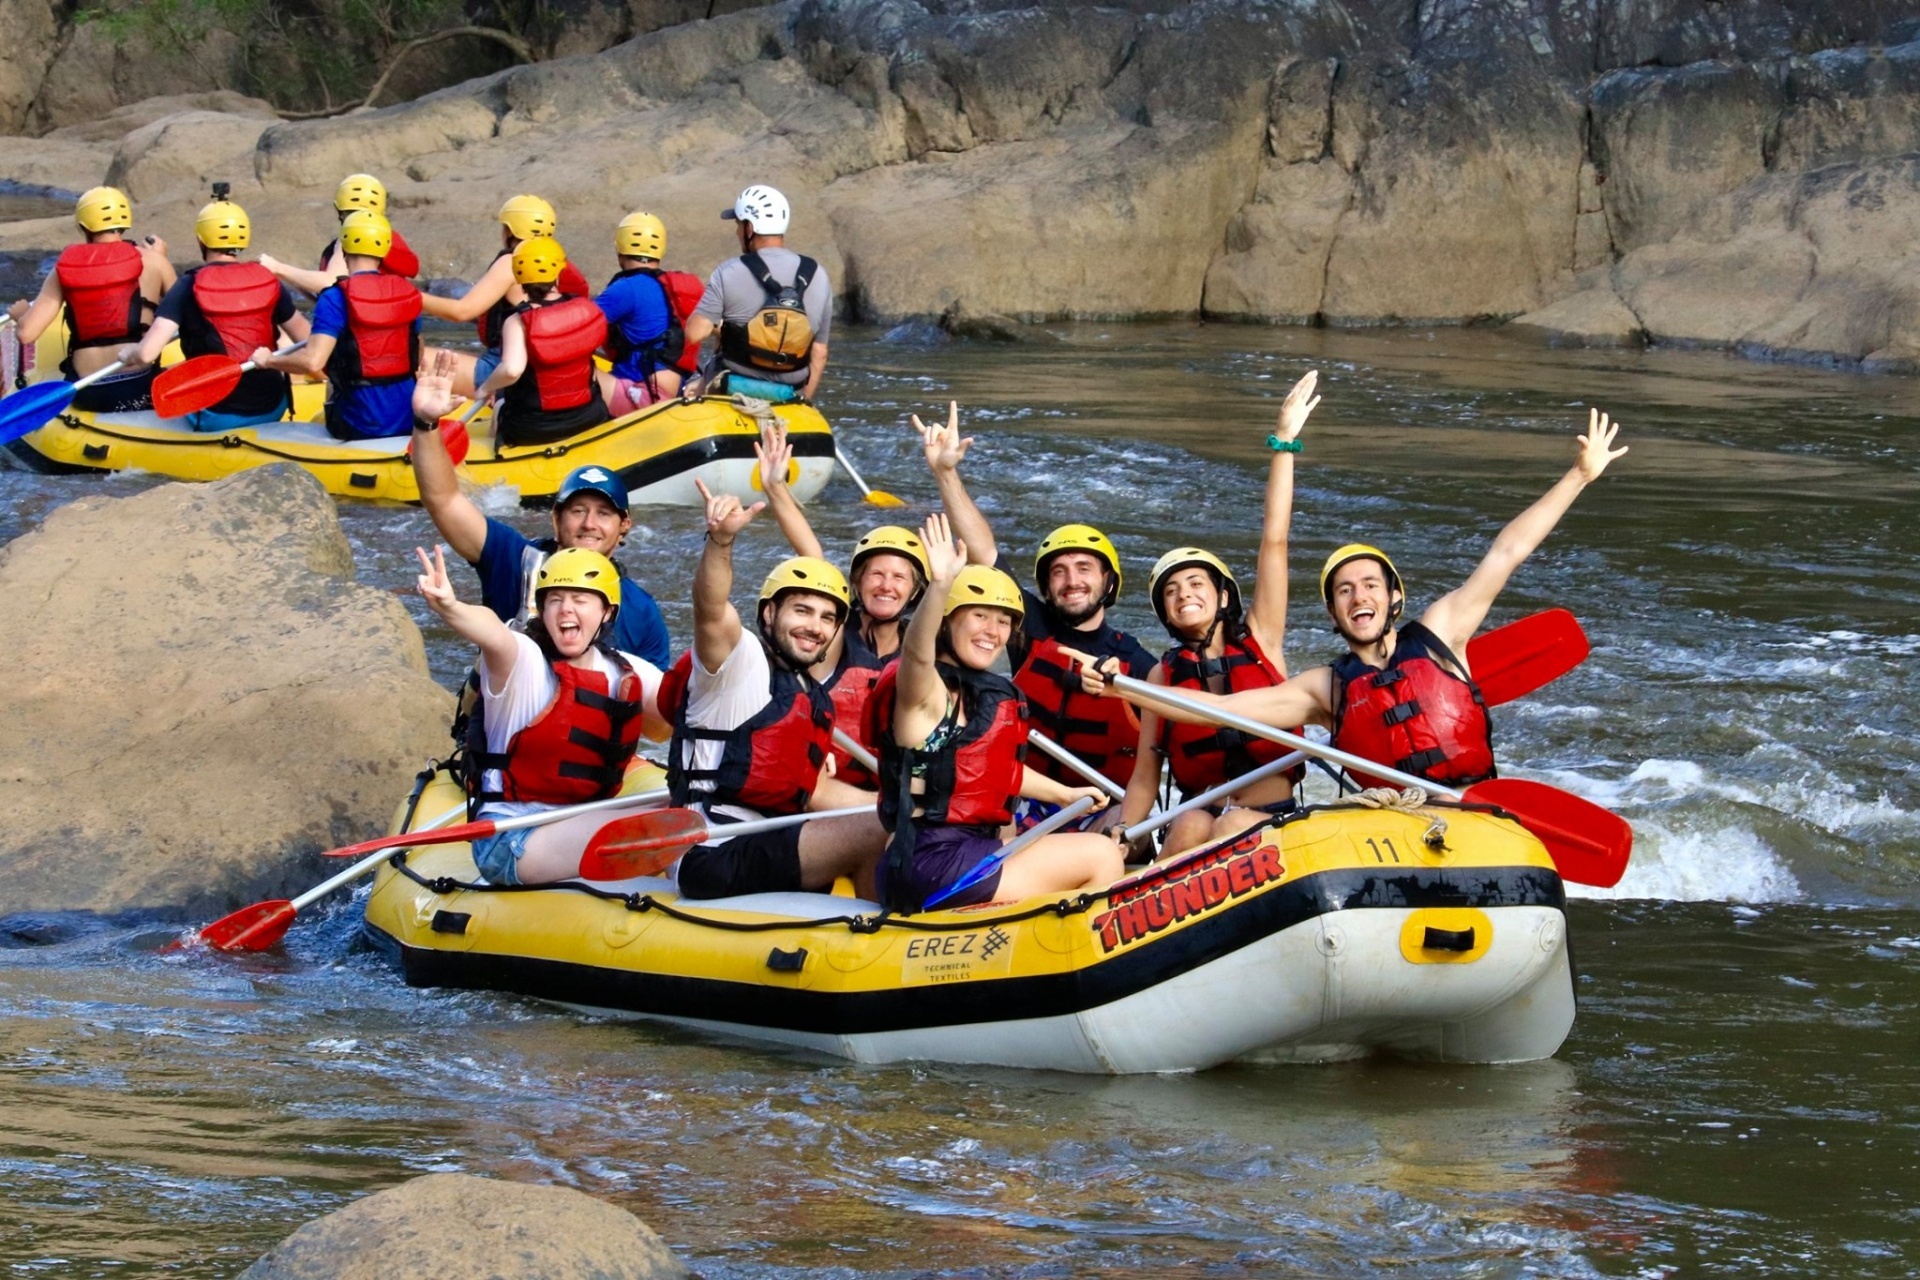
200	698
452	1226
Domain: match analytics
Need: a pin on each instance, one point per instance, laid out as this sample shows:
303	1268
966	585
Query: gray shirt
734	294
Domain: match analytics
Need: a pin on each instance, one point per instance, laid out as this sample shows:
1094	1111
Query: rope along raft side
1329	933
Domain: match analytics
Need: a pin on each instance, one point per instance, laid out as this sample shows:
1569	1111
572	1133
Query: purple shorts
941	855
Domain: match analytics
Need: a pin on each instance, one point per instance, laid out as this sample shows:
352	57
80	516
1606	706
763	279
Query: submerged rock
200	697
452	1226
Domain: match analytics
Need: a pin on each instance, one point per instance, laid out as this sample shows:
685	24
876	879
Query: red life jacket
237	301
668	351
1104	732
770	762
851	689
1417	715
577	749
561	339
379	345
571	284
101	285
974	779
1203	756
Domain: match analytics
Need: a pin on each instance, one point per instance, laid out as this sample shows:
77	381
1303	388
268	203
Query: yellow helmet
582	570
223	225
893	538
1078	537
103	209
1357	551
368	234
641	235
360	191
528	216
808	573
1186	558
538	261
979	584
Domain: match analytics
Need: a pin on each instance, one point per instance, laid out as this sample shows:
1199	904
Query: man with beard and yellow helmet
888	572
1403	695
107	285
751	727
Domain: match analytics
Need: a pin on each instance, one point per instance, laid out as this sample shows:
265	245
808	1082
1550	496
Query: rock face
450	1226
200	697
1608	170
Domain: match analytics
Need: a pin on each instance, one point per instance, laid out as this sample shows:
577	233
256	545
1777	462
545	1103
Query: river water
1739	1096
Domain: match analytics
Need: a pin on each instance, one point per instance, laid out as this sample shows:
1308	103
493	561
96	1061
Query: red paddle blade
1512	661
253	928
1590	845
196	384
644	844
414	839
453	433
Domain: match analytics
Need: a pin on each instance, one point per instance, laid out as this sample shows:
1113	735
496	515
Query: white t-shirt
529	687
725	698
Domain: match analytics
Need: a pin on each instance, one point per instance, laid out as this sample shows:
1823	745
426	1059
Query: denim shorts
483	367
498	855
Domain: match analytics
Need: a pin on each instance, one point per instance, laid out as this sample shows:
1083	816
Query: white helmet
763	209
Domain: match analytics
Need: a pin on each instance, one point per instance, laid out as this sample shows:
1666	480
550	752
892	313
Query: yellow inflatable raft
659	451
1332	933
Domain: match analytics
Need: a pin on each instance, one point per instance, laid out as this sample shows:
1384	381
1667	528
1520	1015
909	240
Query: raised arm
1455	616
470	622
945	448
470	306
301	278
453	513
716	624
1267	614
1305	699
920	695
1143	784
775	454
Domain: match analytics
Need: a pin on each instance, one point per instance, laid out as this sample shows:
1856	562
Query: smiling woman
561	713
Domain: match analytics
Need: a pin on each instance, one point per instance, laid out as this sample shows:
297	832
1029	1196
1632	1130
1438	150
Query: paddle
860	755
878	497
1511	661
1154	821
648	843
1075	763
201	383
33	407
1589	845
987	865
493	826
259	926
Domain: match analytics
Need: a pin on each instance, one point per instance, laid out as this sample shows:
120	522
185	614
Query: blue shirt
636	305
364	412
637	629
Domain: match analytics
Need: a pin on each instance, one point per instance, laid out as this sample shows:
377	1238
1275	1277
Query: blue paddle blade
32	407
981	870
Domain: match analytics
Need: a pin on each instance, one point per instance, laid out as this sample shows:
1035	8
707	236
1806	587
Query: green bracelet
1283	446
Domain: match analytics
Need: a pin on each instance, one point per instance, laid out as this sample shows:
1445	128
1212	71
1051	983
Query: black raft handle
1448	939
787	961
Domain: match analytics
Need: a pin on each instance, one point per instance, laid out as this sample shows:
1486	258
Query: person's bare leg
1185	832
553	851
835	847
1058	863
1234	821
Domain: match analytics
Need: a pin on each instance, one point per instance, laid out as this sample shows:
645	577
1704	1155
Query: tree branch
514	44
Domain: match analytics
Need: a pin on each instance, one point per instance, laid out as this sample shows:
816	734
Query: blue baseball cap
593	479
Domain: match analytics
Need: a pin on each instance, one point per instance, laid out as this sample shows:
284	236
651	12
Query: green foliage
305	54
